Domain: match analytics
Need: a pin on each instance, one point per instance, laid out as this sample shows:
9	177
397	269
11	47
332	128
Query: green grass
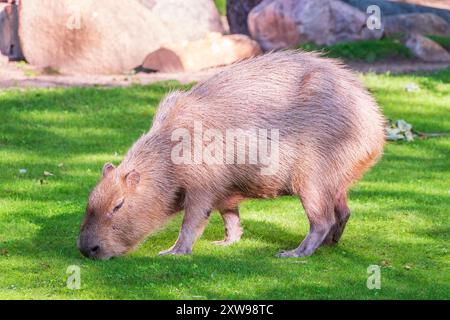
442	40
400	217
364	50
221	6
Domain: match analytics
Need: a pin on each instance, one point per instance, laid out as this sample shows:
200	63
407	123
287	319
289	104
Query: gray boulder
426	49
108	37
9	38
187	20
214	50
422	23
277	24
390	8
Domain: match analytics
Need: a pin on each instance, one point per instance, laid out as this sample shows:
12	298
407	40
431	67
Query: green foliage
442	40
364	50
221	6
399	210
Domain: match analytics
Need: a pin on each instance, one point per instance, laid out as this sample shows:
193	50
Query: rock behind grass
426	49
108	37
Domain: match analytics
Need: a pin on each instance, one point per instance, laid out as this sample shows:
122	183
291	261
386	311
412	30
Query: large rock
426	49
237	13
442	4
103	36
422	23
213	50
277	24
390	8
3	60
186	19
9	38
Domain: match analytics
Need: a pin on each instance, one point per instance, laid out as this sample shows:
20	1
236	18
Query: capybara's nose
93	250
89	251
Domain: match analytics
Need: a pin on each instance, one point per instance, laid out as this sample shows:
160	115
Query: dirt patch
397	66
21	75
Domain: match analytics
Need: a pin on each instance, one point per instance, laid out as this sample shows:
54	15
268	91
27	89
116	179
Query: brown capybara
295	124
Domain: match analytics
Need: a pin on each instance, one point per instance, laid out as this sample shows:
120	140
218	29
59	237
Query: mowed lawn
400	210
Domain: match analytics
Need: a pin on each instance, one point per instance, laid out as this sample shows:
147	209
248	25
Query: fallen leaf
386	263
402	125
409	136
399	130
45	265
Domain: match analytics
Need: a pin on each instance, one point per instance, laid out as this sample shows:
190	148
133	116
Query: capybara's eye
119	205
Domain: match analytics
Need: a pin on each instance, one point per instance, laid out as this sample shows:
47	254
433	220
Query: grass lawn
372	50
221	6
400	210
442	40
364	50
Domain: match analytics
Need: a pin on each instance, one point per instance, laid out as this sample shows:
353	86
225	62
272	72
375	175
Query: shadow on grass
101	120
144	275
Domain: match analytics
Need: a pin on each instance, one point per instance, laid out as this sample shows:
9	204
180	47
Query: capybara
322	131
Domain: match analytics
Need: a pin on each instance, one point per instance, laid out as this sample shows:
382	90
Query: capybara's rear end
323	128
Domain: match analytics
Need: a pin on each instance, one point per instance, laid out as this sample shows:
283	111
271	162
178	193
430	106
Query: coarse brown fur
330	133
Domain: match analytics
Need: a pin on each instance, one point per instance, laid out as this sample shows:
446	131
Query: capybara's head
115	220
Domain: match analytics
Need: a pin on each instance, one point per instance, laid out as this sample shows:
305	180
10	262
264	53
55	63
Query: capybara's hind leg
342	214
320	211
233	229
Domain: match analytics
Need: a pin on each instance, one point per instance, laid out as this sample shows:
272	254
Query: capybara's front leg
321	218
233	229
194	222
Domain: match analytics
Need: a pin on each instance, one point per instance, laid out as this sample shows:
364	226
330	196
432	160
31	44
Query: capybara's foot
233	229
176	251
329	241
232	235
296	253
225	242
313	240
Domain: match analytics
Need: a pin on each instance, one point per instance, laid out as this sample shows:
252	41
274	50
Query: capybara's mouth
99	257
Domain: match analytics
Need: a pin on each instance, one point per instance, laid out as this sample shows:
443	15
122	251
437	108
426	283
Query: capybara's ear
107	168
132	179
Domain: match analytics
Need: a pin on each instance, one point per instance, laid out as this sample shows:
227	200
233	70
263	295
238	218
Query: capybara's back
306	125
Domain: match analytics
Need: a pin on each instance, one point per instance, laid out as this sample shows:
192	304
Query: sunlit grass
400	217
221	6
363	50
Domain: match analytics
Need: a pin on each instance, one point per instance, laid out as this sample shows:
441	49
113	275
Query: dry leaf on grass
399	130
